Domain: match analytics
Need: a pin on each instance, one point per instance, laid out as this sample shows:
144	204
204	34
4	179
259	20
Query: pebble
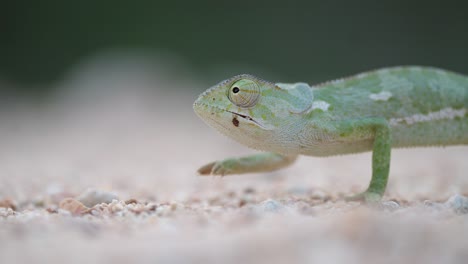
390	205
91	197
174	206
271	206
458	203
246	198
249	190
114	206
95	212
5	212
318	194
73	206
8	203
162	210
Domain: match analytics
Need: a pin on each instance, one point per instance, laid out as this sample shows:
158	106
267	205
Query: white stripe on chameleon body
446	113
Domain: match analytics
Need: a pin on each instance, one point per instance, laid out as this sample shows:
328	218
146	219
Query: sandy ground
134	142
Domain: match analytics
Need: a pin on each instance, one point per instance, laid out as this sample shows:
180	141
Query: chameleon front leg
381	151
262	162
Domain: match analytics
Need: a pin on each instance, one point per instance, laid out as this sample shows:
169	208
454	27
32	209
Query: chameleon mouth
201	109
246	118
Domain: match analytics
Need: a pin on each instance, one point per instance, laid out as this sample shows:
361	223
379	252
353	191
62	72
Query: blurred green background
279	40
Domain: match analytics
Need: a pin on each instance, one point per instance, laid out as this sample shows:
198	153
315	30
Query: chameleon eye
244	93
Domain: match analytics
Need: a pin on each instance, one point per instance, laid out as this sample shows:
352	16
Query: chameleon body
373	111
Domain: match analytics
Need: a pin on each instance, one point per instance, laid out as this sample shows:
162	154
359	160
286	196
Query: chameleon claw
220	168
216	168
206	169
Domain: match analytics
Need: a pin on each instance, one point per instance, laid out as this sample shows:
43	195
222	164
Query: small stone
151	207
91	197
131	201
318	194
95	212
249	190
246	198
39	202
390	205
53	209
162	210
272	206
73	206
173	206
242	202
5	212
8	203
458	203
116	206
136	208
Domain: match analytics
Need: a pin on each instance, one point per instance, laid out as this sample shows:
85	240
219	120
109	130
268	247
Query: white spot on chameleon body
320	105
446	113
382	96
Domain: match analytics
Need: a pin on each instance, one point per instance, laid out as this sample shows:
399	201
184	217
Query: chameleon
395	107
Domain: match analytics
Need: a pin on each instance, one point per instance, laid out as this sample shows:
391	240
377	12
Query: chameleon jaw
248	118
203	110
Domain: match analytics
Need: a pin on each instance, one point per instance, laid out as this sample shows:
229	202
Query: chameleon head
250	110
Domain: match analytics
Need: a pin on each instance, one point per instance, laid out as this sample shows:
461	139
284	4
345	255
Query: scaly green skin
377	110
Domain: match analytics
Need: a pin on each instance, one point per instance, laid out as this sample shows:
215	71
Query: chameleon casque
374	111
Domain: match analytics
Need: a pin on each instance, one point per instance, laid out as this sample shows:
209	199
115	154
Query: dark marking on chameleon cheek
235	122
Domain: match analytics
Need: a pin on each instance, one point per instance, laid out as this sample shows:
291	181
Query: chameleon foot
261	162
218	168
206	169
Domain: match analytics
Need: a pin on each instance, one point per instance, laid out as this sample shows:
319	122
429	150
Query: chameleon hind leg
262	162
381	152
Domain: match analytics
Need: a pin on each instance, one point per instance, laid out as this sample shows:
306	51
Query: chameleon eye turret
244	93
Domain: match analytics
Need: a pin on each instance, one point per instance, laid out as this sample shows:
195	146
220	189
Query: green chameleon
377	110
